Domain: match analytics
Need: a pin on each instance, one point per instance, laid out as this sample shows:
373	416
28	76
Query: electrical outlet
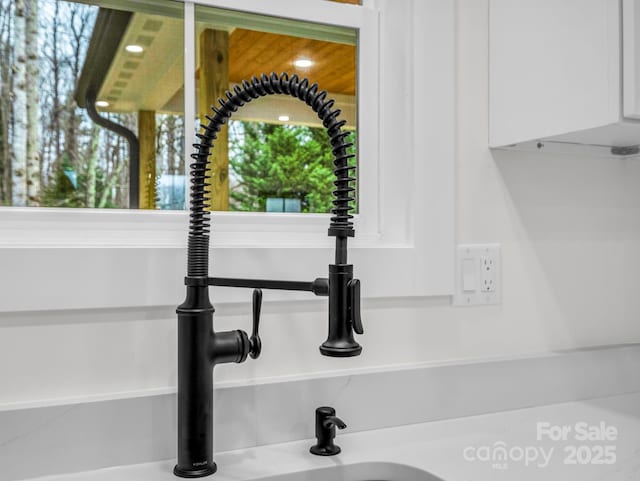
477	275
488	273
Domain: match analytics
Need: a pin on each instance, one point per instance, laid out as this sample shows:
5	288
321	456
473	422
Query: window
101	126
274	155
110	98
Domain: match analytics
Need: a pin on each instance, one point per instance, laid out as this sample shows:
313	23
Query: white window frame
405	228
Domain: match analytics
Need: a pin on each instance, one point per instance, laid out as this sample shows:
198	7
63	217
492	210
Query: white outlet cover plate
475	294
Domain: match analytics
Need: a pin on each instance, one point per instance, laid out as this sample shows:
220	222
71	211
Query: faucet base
327	349
195	473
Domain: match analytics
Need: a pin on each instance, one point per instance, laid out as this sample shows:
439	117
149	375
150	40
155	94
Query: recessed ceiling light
303	63
102	103
134	49
283	118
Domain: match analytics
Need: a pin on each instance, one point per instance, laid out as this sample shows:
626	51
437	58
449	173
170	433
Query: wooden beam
213	81
147	138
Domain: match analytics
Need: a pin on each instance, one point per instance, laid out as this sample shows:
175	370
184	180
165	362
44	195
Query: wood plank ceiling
252	53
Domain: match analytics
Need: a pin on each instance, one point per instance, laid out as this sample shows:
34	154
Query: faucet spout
334	421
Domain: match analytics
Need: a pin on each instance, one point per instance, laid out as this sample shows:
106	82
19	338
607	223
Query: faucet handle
353	287
255	343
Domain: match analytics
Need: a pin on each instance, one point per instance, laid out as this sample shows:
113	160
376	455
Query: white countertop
448	449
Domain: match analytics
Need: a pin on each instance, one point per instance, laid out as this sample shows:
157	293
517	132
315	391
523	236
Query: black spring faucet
200	347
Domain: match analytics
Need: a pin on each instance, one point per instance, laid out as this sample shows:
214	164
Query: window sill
55	227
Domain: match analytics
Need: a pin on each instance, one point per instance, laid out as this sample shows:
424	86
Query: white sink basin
358	472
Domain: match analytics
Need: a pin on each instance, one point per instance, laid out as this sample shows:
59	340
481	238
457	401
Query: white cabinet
631	58
564	75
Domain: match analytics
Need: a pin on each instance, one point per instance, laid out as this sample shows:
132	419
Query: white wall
570	234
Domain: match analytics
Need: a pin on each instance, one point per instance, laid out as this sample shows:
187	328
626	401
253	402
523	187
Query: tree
61	191
19	140
78	22
92	167
34	163
25	155
6	80
283	161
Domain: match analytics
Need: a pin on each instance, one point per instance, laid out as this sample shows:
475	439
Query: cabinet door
554	67
631	58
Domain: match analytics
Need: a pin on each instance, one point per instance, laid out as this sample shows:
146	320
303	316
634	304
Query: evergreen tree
61	191
282	161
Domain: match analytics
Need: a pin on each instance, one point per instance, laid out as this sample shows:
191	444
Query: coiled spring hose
341	225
